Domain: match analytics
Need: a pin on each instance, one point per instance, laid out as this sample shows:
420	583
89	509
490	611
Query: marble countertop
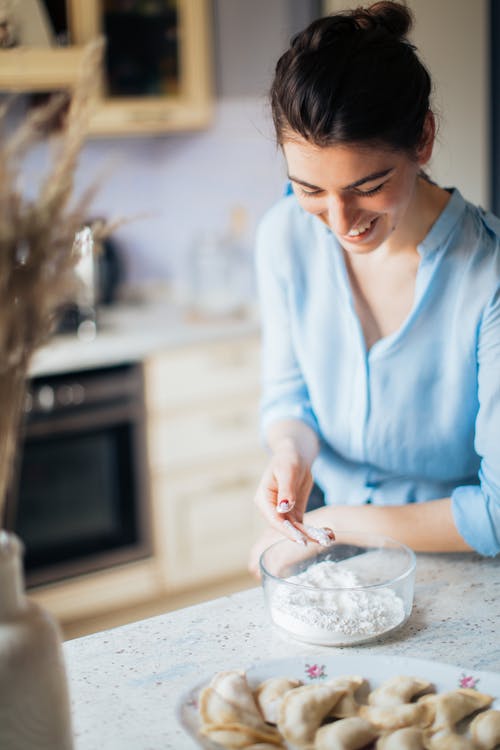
129	332
126	682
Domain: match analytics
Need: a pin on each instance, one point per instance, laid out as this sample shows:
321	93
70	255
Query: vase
34	700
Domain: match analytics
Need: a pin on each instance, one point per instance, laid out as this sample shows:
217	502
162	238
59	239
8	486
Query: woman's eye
373	191
308	193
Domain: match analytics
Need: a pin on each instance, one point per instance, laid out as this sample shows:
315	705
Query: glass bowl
357	589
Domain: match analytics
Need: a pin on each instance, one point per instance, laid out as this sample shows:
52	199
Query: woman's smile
362	229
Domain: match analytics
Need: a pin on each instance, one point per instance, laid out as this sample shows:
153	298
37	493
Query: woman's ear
424	148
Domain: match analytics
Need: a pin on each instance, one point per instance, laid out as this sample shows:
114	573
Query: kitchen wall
187	184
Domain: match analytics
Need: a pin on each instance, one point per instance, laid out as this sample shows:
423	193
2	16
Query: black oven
80	502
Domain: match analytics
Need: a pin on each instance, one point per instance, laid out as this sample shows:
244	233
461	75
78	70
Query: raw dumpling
448	740
269	695
228	699
303	709
408	738
352	733
347	705
397	690
390	718
485	729
235	736
449	708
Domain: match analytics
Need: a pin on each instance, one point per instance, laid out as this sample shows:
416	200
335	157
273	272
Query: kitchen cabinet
157	70
205	458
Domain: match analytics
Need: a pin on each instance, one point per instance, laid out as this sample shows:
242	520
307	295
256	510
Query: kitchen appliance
80	312
99	273
81	501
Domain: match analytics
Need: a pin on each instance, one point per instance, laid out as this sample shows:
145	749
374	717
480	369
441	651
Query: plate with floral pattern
375	669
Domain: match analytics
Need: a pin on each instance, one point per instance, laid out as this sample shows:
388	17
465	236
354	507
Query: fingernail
284	506
297	535
319	535
330	532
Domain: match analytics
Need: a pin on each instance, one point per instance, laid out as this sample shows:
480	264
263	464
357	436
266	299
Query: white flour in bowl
342	615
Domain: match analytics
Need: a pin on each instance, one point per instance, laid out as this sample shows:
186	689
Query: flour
331	611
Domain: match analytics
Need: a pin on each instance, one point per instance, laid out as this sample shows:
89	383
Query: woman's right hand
282	497
283	493
284	489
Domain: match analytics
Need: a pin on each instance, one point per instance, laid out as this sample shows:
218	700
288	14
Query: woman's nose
339	214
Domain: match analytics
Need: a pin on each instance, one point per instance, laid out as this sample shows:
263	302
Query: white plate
375	669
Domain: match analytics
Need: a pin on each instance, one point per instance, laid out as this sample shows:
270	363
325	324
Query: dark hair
353	77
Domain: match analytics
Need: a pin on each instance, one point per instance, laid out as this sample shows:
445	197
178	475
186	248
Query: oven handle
87	419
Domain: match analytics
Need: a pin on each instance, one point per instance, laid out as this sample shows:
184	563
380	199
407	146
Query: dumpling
352	733
485	729
398	689
269	695
303	709
408	738
449	708
235	736
228	699
446	739
347	705
390	718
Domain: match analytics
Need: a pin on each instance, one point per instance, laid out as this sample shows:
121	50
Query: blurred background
189	183
141	450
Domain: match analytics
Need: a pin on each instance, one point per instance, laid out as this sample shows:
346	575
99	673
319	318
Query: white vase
34	701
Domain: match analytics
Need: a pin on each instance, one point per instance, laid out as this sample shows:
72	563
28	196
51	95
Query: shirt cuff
474	521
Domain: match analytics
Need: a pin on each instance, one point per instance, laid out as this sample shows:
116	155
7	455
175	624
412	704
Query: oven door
82	502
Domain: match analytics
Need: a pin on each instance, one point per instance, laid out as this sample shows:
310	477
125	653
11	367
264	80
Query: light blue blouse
415	418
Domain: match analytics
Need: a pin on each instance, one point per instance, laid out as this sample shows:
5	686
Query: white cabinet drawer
206	434
207	523
183	377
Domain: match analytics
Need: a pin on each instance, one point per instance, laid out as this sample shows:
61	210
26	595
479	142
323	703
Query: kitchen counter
125	683
130	332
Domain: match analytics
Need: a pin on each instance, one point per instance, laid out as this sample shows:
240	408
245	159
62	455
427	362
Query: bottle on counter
34	699
221	270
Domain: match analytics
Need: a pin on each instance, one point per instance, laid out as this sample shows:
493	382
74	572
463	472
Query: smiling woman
380	296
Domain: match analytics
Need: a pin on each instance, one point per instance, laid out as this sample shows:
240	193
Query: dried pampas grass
37	244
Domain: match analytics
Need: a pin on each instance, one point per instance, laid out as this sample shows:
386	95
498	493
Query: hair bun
386	16
393	17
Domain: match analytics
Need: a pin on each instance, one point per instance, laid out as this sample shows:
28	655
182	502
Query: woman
380	295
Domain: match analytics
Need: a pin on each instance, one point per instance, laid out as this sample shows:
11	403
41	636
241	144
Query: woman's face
363	194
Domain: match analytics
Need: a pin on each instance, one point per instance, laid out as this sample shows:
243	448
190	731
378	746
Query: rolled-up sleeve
284	391
476	508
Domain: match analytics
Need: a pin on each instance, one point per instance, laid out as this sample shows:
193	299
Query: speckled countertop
126	682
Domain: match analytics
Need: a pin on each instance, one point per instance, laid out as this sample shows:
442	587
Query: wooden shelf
29	69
